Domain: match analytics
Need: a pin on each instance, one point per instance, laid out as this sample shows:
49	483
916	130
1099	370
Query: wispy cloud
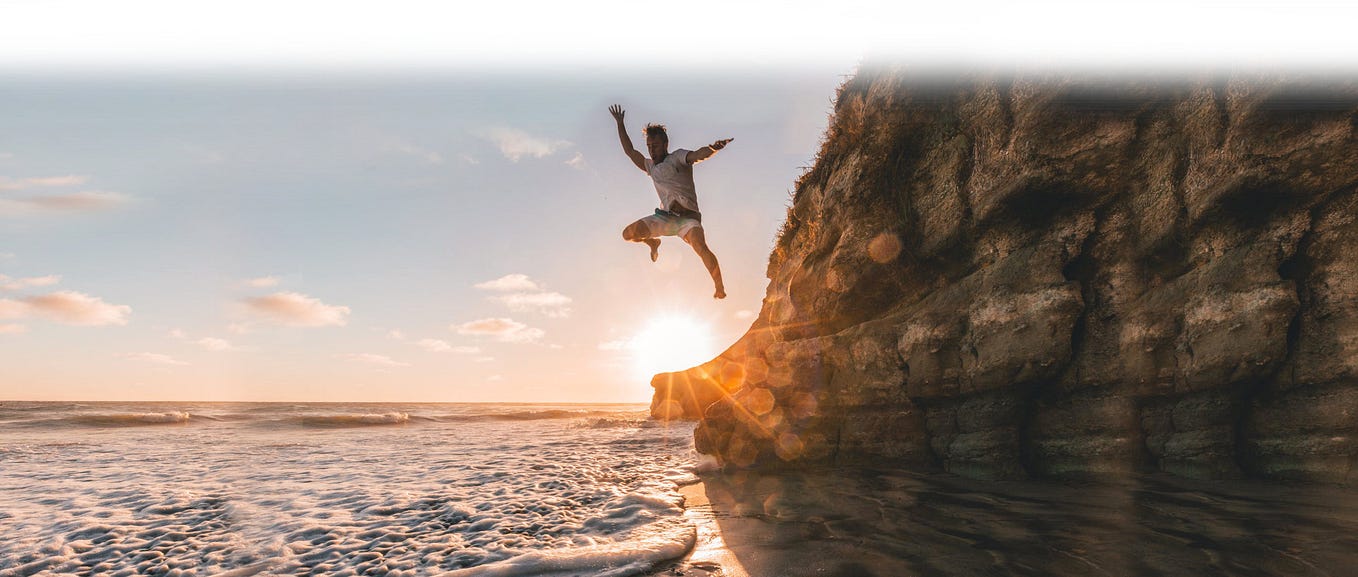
40	181
215	344
527	295
409	149
501	329
261	282
66	307
154	358
372	359
617	345
515	144
10	284
441	346
87	201
12	309
552	304
79	201
509	282
298	310
745	314
578	161
12	329
396	335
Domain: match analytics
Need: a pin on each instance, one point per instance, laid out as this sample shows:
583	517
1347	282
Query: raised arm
706	152
627	147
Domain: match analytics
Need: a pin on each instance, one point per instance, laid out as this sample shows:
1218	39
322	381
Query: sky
407	201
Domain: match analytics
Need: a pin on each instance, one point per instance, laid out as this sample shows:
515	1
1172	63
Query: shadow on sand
892	524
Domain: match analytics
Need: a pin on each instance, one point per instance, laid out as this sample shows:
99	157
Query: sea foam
340	490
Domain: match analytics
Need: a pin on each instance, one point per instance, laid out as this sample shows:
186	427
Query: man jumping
672	173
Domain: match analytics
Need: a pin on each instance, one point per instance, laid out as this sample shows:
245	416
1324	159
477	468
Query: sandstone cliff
1057	276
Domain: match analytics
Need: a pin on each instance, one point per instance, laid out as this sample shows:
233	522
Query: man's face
658	146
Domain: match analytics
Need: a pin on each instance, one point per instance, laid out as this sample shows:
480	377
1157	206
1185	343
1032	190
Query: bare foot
720	294
654	243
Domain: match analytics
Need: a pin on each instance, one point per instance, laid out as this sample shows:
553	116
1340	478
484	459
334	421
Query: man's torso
673	178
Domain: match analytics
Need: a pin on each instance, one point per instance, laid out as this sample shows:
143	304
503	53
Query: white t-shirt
673	179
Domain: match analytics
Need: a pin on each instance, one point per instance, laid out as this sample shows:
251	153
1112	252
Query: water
339	489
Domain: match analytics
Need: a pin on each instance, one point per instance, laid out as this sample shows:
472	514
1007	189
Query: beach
457	490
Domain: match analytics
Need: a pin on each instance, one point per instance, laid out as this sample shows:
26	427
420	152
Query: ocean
237	489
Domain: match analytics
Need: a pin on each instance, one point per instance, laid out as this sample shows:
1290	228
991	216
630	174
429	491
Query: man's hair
657	130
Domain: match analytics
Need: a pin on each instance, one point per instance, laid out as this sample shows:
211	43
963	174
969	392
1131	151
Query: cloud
68	180
77	201
66	307
502	329
509	282
12	309
618	345
495	378
261	282
12	329
555	305
396	335
178	334
552	304
408	149
22	283
469	159
372	359
215	344
484	359
745	315
87	201
238	328
154	358
298	310
434	345
516	144
578	161
439	346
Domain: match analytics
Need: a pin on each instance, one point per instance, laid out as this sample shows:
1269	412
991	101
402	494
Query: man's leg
698	241
640	232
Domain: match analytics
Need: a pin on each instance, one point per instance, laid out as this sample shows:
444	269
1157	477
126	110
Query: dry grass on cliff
845	130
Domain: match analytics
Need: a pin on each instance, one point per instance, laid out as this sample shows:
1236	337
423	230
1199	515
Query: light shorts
665	223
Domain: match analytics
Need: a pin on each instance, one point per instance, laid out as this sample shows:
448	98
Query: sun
671	343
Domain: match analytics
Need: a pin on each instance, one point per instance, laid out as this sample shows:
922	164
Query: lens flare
672	343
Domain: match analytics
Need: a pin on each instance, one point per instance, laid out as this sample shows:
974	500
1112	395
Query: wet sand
894	524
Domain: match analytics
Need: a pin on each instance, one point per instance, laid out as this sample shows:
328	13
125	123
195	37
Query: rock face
1053	276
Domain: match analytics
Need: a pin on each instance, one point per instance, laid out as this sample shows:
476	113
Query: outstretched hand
720	144
617	111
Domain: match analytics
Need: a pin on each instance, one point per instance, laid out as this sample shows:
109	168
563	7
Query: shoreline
709	556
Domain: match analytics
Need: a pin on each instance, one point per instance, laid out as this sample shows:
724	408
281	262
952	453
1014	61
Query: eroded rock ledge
1056	276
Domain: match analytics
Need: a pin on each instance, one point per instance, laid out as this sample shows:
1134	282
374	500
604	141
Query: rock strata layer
1056	276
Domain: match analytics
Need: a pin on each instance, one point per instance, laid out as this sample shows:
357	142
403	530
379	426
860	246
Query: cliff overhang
1057	276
